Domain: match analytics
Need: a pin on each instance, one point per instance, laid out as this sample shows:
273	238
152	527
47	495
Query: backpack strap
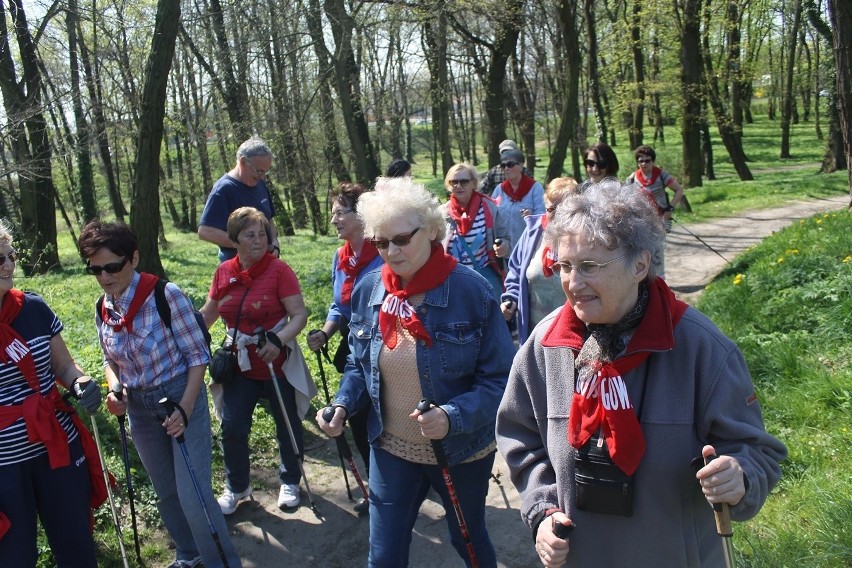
163	307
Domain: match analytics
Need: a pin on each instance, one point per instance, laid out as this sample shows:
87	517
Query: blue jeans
60	498
239	397
398	488
177	500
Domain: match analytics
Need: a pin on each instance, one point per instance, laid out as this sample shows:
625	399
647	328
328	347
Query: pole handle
721	511
170	409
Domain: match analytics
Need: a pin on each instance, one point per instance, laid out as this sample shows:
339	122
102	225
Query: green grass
788	304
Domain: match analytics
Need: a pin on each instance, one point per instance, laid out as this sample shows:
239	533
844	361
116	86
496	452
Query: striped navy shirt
475	239
37	324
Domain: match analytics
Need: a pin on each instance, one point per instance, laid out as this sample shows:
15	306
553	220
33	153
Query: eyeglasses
399	240
508	165
587	268
592	163
257	172
551	209
340	213
644	160
459	182
13	256
110	268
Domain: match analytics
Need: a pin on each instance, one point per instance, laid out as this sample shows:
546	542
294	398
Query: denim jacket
464	371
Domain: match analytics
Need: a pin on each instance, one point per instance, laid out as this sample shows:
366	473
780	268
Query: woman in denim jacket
411	339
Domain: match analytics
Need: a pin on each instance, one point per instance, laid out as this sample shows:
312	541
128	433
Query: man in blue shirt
243	186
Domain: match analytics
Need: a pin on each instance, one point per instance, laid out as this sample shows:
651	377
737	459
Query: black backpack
165	310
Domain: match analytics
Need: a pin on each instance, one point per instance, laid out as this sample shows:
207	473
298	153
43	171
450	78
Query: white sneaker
228	501
288	496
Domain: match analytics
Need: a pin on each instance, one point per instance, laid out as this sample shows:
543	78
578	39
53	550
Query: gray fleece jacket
699	392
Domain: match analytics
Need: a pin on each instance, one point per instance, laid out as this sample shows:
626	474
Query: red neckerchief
12	345
620	426
524	187
655	173
146	285
396	308
464	216
548	256
240	276
352	267
5	525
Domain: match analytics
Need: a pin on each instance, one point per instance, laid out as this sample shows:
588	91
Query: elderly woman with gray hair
615	395
422	327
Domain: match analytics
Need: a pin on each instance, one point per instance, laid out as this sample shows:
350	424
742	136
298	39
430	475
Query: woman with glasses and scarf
259	297
532	290
356	258
474	225
423	327
614	397
601	163
144	362
518	196
49	465
654	182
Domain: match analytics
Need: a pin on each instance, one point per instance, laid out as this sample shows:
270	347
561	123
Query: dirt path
267	536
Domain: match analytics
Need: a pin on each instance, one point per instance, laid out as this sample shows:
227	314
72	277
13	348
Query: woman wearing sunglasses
653	180
474	224
146	361
356	258
518	196
423	327
614	397
532	291
44	463
600	162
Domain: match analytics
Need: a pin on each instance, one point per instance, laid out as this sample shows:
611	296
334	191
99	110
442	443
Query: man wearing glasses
495	176
243	186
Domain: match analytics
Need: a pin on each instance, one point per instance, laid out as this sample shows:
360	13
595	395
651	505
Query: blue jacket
516	284
464	372
339	312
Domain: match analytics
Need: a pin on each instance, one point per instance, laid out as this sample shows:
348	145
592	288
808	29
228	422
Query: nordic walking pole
78	392
181	442
424	406
328	403
344	450
261	341
722	513
121	419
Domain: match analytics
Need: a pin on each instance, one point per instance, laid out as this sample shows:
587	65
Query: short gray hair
395	198
254	147
612	215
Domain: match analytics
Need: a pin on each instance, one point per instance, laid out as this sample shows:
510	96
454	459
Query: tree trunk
594	76
86	178
734	68
145	215
841	22
566	135
435	37
234	91
30	144
789	93
638	107
346	75
691	90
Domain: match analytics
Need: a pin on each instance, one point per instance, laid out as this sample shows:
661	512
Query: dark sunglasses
13	256
110	268
457	182
644	160
507	165
400	240
551	209
593	163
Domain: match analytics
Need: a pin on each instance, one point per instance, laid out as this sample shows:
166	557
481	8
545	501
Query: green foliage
788	304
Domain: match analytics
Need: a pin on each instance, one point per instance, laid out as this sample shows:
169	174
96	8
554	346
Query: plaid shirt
152	354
